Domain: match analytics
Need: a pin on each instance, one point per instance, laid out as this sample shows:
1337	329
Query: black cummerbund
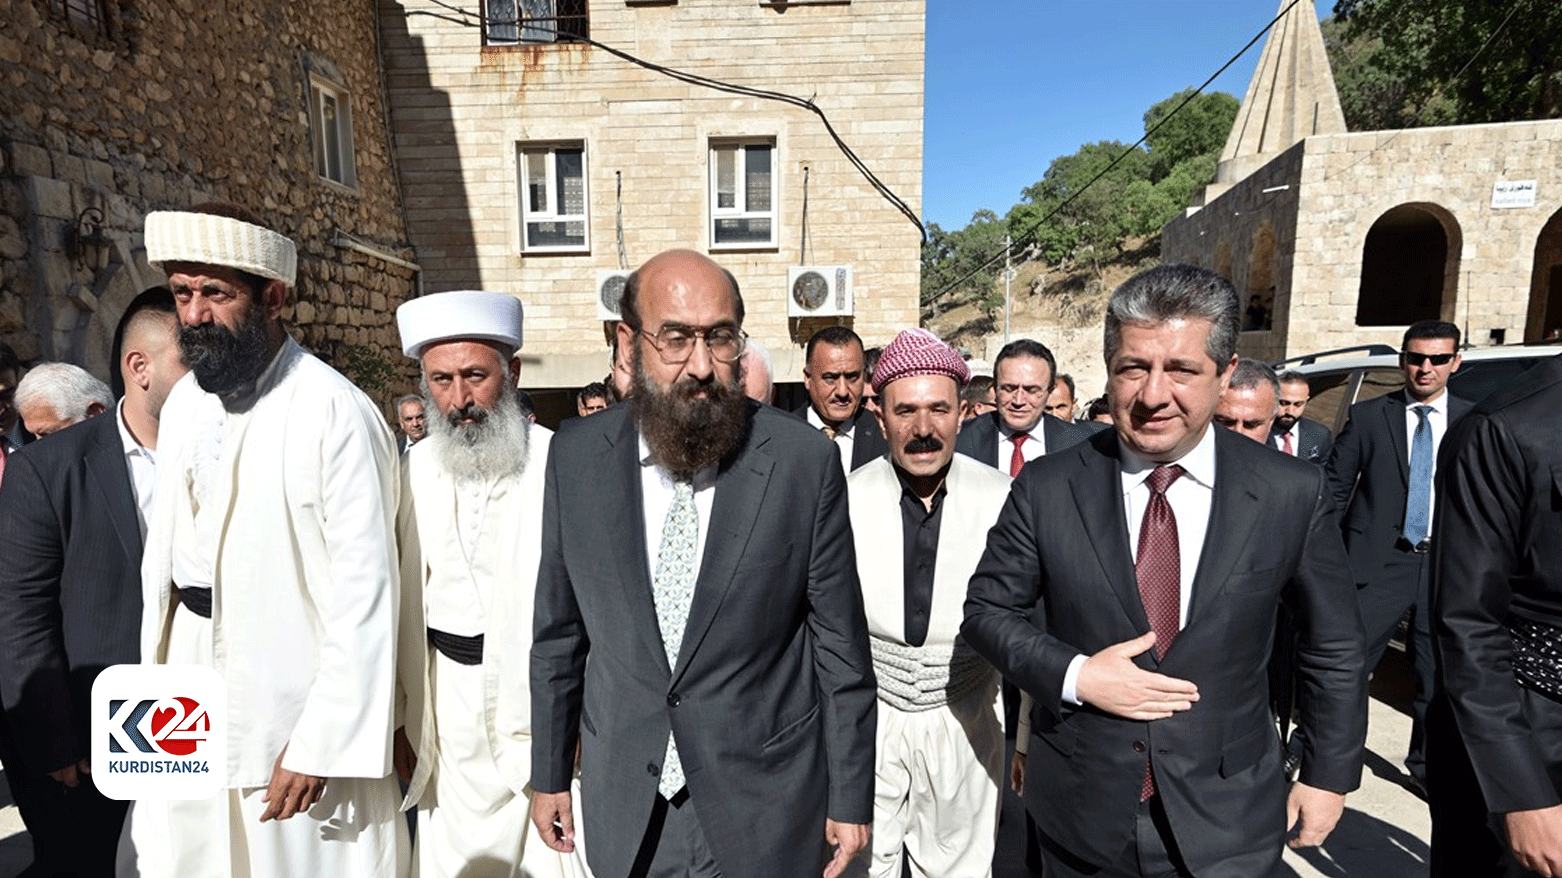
458	648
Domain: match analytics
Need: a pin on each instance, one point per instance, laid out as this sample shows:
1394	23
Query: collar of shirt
1007	432
844	431
703	480
1198	464
1439	406
133	448
909	499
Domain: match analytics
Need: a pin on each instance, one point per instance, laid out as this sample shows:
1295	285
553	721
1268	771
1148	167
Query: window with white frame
743	194
331	124
553	197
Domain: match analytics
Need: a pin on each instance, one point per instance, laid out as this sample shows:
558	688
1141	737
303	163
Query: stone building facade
1347	238
532	163
110	109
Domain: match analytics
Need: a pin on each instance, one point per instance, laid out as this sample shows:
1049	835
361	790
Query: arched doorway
1545	286
1409	267
1260	299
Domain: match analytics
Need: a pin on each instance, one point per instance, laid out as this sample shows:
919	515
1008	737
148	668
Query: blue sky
1013	84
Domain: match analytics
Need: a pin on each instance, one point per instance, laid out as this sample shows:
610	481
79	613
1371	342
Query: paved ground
1383	834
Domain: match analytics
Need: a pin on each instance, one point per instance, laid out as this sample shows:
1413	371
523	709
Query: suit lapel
1234	510
1098	496
1394	419
110	474
623	511
740	489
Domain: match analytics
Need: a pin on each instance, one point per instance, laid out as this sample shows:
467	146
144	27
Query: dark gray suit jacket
868	442
1057	581
1315	441
70	584
979	437
1369	475
773	697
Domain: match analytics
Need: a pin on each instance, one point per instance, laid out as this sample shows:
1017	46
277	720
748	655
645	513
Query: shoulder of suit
775	425
1541	387
1261	455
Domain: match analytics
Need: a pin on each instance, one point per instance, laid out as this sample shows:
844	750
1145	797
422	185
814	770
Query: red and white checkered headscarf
919	352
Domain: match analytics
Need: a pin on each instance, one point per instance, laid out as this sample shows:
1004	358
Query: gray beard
490	449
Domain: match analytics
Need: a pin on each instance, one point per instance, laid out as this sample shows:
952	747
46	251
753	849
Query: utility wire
1027	237
466	19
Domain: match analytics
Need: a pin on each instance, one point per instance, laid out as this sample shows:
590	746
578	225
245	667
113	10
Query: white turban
465	315
204	239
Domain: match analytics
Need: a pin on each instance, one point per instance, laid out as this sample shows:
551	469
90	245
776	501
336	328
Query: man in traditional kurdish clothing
271	558
920	518
469	529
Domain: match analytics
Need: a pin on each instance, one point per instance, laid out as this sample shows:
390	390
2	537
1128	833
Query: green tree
948	257
1198	128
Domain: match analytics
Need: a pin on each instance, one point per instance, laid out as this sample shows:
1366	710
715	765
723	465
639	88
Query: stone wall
173	103
1500	261
460	110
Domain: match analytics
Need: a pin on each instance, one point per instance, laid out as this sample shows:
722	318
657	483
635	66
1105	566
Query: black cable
1026	238
731	88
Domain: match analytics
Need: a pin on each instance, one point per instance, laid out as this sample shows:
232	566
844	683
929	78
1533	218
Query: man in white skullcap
470	530
270	557
920	517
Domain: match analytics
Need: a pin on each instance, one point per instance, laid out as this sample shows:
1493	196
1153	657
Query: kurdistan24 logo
159	732
174	726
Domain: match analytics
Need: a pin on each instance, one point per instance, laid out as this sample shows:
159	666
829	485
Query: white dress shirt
1296	439
1437	419
1033	447
142	465
656	489
843	437
1190	496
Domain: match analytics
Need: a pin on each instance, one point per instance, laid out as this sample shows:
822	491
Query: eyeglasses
675	344
1416	359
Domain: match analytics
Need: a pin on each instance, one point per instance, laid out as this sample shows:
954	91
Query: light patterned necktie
673	589
1159	571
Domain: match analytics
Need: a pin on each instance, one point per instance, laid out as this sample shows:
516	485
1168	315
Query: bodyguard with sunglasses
1381	473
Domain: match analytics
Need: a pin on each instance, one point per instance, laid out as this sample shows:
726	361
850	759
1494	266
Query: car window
1478	380
1378	381
1328	403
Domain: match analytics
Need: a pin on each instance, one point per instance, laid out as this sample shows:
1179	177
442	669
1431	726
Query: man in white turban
920	516
270	557
470	530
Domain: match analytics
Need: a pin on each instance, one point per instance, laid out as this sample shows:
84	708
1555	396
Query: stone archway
1545	286
1409	266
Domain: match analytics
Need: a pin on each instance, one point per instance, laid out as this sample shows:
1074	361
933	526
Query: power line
1027	237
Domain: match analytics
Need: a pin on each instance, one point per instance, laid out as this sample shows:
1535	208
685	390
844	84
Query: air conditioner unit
610	292
819	291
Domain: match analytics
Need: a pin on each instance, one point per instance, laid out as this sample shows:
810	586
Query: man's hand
403	757
1017	774
1316	810
1536	839
554	821
70	775
1111	681
290	792
848	839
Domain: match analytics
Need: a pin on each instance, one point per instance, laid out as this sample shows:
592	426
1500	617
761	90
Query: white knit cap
464	314
204	239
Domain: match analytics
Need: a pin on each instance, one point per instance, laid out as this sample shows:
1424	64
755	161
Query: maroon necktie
1287	447
1159	571
1017	459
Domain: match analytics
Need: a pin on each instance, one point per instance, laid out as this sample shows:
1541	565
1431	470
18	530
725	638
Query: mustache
924	444
471	410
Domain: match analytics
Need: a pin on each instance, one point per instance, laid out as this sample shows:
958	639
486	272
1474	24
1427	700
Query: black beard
687	433
1284	422
225	362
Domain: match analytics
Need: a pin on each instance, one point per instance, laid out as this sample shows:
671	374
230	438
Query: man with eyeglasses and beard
469	528
1381	472
714	668
271	558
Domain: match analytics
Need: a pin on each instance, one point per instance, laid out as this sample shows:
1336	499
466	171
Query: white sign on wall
1512	193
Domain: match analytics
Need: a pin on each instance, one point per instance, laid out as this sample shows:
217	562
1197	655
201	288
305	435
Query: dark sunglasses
1416	359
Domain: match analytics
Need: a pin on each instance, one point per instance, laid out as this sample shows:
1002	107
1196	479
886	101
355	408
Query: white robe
470	726
303	622
938	771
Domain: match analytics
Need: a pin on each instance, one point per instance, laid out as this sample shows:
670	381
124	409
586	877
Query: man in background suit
1130	586
726	715
1380	471
1250	400
74	509
1023	375
835	375
1294	434
411	419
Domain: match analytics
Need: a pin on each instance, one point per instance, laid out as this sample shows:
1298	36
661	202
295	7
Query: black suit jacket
868	442
773	696
1497	560
1314	443
70	584
978	437
1369	475
1057	581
